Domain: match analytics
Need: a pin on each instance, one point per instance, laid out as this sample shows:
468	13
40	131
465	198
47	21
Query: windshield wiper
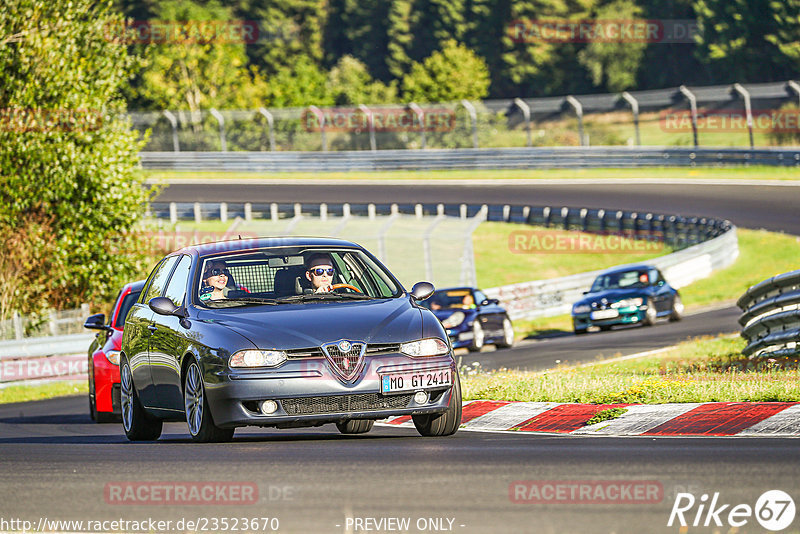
245	300
322	296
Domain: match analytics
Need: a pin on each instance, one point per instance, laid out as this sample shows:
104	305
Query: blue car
633	294
471	318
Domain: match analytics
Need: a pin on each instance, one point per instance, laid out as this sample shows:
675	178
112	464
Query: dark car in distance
233	334
104	399
627	295
471	318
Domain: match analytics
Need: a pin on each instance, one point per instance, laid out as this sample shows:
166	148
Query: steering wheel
346	286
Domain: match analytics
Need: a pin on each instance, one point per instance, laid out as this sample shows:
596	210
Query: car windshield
284	275
125	307
620	280
450	299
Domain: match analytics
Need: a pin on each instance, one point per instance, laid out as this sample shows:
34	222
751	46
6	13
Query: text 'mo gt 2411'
471	318
283	332
633	294
104	389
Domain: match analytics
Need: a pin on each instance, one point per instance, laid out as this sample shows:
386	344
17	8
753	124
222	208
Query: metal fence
771	319
644	119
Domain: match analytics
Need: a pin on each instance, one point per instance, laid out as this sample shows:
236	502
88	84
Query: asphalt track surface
773	207
55	463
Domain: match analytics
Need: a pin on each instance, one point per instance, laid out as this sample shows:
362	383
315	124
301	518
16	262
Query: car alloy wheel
478	336
677	308
508	334
135	421
198	416
650	314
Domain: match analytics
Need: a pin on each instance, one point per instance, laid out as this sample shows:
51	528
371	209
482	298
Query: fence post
221	120
426	247
273	212
635	110
739	88
526	114
271	123
794	86
173	120
223	211
173	213
413	106
576	105
248	212
198	214
473	120
321	118
418	211
323	212
371	124
18	331
371	211
693	105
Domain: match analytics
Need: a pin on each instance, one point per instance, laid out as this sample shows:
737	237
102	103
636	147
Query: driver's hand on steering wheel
324	289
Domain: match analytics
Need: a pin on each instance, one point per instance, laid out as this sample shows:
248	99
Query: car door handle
152	328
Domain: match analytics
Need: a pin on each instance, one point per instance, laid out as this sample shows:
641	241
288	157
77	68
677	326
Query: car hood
444	314
613	295
294	326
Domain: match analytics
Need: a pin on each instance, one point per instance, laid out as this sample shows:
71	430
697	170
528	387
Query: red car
104	405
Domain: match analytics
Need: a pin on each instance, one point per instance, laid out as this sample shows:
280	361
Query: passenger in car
215	280
319	271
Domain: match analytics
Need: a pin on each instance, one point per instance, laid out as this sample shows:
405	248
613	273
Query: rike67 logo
774	510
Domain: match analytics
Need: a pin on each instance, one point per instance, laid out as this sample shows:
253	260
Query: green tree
69	188
301	84
452	74
195	73
786	36
350	83
734	40
359	28
613	65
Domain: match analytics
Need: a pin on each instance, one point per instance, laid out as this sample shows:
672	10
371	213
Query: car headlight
113	357
627	303
257	358
581	308
425	347
454	320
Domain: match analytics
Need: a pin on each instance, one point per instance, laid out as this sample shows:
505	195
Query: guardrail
771	319
466	158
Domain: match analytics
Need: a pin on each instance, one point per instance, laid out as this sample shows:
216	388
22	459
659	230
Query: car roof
631	267
134	286
266	242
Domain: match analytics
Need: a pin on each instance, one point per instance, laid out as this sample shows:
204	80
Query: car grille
344	403
346	364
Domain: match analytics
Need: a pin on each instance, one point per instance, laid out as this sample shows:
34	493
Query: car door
169	342
139	329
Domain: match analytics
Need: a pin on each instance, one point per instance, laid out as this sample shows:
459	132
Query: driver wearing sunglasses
215	280
319	271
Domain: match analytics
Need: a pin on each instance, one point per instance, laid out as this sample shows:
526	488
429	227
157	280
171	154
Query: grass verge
659	173
702	370
42	391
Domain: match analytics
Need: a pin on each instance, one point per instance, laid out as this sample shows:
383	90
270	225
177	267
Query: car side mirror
585	293
163	306
96	322
490	301
422	290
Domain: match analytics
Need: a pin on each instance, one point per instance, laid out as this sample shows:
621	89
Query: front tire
355	426
198	415
137	424
445	424
478	337
651	314
677	309
508	334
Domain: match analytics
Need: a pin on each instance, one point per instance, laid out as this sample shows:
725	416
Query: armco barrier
466	158
771	318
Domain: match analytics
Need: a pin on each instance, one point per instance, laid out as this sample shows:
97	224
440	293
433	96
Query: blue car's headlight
454	320
581	308
257	358
627	303
425	347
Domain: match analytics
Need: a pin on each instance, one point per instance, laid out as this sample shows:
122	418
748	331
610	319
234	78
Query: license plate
415	380
605	314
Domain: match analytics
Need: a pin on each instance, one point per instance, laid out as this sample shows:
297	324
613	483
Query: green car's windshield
283	275
620	280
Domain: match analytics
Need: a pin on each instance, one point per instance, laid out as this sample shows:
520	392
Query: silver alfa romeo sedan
283	332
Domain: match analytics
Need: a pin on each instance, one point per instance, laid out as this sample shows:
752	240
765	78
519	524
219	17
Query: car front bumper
625	316
308	393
